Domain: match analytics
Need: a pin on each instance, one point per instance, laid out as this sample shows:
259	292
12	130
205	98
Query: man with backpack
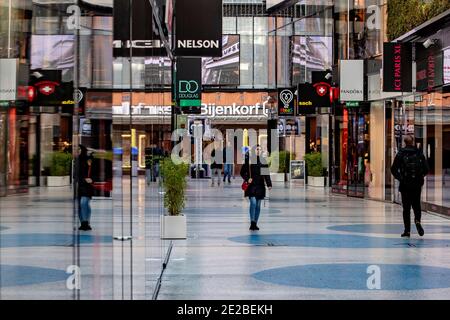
410	167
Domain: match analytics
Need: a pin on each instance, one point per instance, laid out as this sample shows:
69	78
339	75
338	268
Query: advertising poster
297	170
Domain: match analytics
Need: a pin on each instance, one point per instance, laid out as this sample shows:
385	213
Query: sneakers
406	234
420	228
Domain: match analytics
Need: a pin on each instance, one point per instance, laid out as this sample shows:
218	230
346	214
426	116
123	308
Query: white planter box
316	181
277	177
32	180
173	228
58	181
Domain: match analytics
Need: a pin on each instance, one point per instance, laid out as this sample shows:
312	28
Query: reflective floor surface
312	245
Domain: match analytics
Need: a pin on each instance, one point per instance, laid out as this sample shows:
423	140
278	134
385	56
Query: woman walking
253	175
85	188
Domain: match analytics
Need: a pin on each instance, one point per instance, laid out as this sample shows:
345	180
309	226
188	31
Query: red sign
47	87
322	88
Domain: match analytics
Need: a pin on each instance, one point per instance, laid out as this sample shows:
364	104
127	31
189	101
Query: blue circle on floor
388	228
359	276
48	240
338	241
23	275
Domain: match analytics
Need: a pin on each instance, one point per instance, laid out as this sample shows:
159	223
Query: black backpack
412	167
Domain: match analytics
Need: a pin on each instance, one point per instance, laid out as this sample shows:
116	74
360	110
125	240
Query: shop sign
352	80
198	28
397	67
52	92
297	170
430	70
145	40
352	104
288	127
234	110
8	79
446	66
286	102
207	110
312	96
189	82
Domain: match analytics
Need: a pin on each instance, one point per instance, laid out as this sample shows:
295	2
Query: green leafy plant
174	183
404	16
60	164
314	164
283	158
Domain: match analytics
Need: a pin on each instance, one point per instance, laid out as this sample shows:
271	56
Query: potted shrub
314	169
283	158
173	224
60	167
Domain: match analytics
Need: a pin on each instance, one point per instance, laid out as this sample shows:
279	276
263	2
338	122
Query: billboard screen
310	53
223	70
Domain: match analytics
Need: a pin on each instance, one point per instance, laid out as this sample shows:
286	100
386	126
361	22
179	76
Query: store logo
47	88
137	44
198	44
322	89
78	96
398	67
286	96
352	91
188	86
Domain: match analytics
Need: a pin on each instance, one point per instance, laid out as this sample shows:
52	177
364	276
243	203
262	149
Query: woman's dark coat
257	188
84	189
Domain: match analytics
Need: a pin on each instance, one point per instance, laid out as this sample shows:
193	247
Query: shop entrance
358	152
351	158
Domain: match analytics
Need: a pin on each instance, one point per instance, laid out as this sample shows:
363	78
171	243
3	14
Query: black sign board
286	102
429	69
49	90
397	67
145	40
312	96
198	28
188	82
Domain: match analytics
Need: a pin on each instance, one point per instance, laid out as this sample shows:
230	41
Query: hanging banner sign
446	66
189	82
397	67
145	40
198	28
286	102
313	96
430	70
8	79
351	80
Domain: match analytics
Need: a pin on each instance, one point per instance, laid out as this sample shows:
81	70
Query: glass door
358	152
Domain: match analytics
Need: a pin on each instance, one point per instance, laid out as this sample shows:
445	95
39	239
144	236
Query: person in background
410	167
228	163
85	188
252	173
216	169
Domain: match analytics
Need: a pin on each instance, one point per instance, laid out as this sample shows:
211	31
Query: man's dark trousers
411	198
